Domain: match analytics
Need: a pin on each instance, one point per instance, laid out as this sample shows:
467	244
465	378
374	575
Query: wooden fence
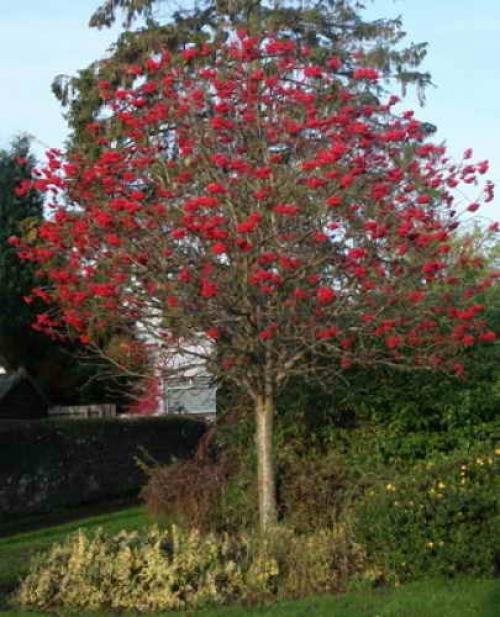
84	411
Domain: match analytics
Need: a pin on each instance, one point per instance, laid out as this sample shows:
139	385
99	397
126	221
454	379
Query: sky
40	39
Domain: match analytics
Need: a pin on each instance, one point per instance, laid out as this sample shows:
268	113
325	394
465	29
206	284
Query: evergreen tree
17	214
327	26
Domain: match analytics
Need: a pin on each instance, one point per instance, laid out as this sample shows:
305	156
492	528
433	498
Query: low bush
213	491
419	502
396	447
185	493
442	518
160	570
195	493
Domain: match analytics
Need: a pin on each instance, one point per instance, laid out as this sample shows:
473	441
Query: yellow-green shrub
176	569
153	571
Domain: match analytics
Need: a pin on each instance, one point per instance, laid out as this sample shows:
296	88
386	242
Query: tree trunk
264	412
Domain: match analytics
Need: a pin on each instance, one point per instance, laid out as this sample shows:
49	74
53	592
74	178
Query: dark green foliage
46	465
409	402
441	518
17	214
428	401
321	481
420	404
349	474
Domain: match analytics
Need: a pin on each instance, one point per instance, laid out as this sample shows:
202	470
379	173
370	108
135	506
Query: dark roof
8	381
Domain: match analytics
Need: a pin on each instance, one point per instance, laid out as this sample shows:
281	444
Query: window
187	395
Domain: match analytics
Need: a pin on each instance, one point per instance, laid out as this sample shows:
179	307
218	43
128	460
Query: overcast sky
39	40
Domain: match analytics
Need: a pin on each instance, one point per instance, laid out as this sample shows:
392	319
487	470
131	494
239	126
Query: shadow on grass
492	603
53	519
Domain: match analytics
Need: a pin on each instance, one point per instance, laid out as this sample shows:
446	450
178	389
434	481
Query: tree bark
264	412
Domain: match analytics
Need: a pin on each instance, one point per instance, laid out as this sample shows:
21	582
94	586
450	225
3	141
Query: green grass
16	551
467	598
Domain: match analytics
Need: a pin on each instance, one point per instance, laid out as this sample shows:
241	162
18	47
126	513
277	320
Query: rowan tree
250	211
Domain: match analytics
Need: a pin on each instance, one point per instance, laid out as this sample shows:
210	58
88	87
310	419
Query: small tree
250	211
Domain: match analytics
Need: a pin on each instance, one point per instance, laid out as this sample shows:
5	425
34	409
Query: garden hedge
47	465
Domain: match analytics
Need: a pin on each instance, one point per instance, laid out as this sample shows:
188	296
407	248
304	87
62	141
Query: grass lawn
16	551
433	599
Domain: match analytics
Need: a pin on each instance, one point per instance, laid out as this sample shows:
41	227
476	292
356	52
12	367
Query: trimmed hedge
47	465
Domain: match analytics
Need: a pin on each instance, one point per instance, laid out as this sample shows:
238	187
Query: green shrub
442	518
319	484
318	477
397	447
373	447
159	570
316	487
